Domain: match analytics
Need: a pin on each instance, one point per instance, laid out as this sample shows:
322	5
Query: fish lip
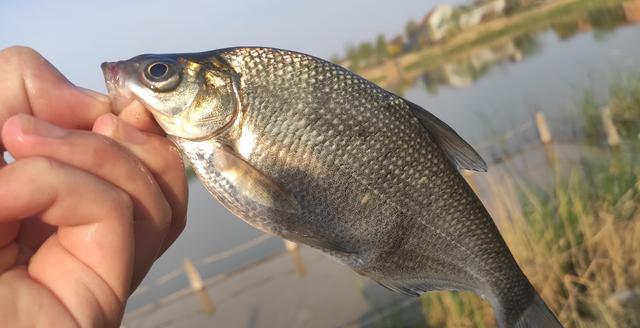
112	73
119	94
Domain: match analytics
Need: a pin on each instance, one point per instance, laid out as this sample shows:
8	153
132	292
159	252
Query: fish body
307	150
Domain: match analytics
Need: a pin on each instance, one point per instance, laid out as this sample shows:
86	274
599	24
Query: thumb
30	85
139	117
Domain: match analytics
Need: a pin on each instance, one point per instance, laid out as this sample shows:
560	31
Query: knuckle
42	165
102	153
20	54
180	223
165	216
123	204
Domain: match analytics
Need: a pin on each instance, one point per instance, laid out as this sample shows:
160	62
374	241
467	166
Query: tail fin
537	315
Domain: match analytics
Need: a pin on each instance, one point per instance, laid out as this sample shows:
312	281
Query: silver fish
307	150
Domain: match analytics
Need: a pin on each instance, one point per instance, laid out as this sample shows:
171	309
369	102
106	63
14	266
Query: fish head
191	97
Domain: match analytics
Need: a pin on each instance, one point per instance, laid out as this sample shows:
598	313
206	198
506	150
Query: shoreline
482	35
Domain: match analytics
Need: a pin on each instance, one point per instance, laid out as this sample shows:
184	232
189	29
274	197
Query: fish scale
321	156
447	213
389	179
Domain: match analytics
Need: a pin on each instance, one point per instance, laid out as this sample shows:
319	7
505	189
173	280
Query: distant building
481	12
437	22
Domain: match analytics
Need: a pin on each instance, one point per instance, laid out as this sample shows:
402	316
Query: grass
578	240
624	106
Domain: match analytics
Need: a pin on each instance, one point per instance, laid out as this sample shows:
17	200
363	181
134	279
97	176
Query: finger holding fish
29	84
26	136
158	154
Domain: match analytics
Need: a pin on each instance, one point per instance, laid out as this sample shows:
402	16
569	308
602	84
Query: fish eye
157	70
161	75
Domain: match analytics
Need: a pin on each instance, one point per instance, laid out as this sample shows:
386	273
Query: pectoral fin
458	151
254	196
251	183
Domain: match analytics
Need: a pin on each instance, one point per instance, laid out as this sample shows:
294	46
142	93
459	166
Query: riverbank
408	66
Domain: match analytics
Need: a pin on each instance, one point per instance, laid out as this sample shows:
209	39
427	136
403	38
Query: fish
307	150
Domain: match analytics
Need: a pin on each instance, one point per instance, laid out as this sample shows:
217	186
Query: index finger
29	84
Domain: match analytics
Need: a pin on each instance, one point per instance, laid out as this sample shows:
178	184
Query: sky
76	36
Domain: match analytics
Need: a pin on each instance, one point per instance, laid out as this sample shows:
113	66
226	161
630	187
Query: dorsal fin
458	151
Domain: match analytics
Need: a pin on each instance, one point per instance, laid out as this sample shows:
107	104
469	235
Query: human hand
84	214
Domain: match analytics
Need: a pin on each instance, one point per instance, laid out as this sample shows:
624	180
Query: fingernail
130	134
95	95
32	126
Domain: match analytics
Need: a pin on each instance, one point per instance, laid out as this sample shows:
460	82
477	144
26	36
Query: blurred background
548	91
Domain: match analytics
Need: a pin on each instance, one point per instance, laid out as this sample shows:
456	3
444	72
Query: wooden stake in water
197	285
613	138
547	139
543	128
294	250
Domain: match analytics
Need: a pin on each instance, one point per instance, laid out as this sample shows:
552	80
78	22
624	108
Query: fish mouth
116	77
118	92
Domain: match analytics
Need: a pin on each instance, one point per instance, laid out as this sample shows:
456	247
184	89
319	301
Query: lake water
552	79
483	95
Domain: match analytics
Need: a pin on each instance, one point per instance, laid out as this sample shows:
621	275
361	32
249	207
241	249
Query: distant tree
395	46
411	28
513	6
565	29
528	44
605	20
352	57
412	32
366	52
381	48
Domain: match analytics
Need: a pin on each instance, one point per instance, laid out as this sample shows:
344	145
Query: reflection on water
487	88
465	68
463	52
464	71
490	89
